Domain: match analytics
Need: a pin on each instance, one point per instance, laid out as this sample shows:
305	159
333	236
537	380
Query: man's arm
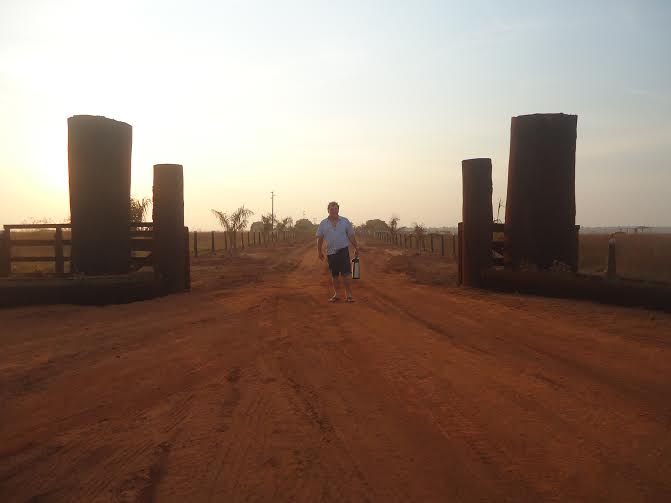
320	242
352	238
356	245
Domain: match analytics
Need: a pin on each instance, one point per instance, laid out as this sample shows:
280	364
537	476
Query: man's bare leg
348	285
336	284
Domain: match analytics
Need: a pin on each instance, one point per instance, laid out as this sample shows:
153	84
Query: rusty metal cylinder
477	219
99	166
168	217
540	205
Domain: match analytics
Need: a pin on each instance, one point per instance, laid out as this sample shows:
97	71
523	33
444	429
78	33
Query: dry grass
37	251
638	256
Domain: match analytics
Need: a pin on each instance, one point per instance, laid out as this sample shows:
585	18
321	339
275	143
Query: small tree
285	224
498	211
268	222
138	208
419	231
235	222
393	224
279	225
376	225
304	225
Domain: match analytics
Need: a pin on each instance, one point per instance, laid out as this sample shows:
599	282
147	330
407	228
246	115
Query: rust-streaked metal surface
477	219
99	165
168	216
540	204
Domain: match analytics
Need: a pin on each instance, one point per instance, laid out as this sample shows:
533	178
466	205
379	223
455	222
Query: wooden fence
141	246
211	242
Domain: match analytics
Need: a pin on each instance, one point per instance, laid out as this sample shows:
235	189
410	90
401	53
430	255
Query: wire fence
444	245
213	242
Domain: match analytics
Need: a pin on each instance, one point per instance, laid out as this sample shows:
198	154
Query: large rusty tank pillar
99	165
168	216
540	205
477	219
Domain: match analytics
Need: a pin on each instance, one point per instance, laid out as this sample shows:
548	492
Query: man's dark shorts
339	262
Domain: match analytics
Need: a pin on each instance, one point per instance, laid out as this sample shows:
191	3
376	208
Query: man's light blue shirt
336	236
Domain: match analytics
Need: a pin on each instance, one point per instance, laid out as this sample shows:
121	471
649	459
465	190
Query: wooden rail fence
141	241
141	244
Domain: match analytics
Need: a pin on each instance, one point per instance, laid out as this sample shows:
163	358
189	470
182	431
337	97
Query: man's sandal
350	299
335	298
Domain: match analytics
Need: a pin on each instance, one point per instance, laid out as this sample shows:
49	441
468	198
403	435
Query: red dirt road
253	388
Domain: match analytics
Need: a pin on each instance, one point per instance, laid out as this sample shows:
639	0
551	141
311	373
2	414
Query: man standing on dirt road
338	232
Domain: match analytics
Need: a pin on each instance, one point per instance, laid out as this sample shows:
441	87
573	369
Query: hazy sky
371	103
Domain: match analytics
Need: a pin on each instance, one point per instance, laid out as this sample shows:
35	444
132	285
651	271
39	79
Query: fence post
58	248
460	246
442	245
212	244
575	255
476	242
431	238
5	254
168	217
195	243
99	167
611	271
187	260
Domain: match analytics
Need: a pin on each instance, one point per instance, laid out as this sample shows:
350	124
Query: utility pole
272	210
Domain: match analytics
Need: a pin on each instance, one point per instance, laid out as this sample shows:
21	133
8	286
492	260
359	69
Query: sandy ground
254	388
